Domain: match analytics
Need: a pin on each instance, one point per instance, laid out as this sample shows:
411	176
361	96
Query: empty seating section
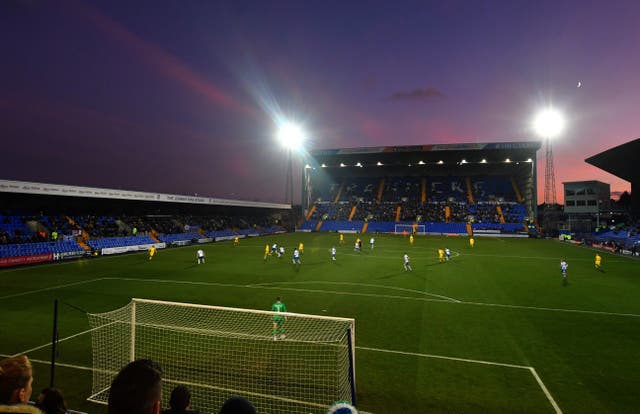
98	226
13	228
107	242
29	249
448	194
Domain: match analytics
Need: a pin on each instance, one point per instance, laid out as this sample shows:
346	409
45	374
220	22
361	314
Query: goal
408	228
218	352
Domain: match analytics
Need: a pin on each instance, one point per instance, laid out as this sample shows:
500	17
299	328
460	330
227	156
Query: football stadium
421	284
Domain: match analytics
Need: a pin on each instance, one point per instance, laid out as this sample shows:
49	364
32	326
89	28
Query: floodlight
307	166
358	164
290	135
529	160
484	161
549	123
342	164
379	164
440	162
463	161
421	162
507	160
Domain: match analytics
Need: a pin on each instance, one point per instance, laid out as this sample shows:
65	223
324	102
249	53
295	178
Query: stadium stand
383	187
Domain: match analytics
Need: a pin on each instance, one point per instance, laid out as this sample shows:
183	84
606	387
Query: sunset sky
182	96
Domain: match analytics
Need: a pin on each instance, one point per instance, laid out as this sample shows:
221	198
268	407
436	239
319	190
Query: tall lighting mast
549	124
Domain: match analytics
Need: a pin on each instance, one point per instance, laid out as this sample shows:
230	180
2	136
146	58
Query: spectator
16	377
180	401
237	405
50	401
136	389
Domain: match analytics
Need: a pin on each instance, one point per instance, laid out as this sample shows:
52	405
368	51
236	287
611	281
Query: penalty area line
334	292
357	284
475	361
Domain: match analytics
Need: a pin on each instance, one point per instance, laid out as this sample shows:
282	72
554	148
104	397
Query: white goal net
409	228
218	352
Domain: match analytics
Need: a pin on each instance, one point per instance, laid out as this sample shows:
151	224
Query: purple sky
180	96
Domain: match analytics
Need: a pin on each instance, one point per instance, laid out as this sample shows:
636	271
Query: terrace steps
335	201
154	235
353	212
380	190
469	192
311	211
500	215
516	190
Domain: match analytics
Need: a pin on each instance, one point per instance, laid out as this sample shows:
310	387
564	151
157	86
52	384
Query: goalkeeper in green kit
278	321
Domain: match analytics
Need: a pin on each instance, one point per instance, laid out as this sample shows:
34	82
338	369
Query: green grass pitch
491	331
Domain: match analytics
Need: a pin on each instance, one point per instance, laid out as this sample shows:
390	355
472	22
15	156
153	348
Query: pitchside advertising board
22	260
137	248
39	258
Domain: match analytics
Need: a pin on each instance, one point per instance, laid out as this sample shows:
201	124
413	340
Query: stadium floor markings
259	286
29	292
532	370
358	284
334	292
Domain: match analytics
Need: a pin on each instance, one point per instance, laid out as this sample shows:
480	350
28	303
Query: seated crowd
57	227
136	389
378	199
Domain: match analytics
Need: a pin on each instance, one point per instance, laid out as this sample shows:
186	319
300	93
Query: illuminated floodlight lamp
379	164
484	161
307	166
507	160
324	165
463	161
420	162
291	136
529	160
549	123
358	164
440	162
342	164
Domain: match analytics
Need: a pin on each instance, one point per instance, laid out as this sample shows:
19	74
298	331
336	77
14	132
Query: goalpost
408	228
218	352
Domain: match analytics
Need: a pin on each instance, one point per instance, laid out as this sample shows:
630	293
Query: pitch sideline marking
545	390
50	288
63	339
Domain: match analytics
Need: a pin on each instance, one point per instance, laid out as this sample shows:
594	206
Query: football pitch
493	330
